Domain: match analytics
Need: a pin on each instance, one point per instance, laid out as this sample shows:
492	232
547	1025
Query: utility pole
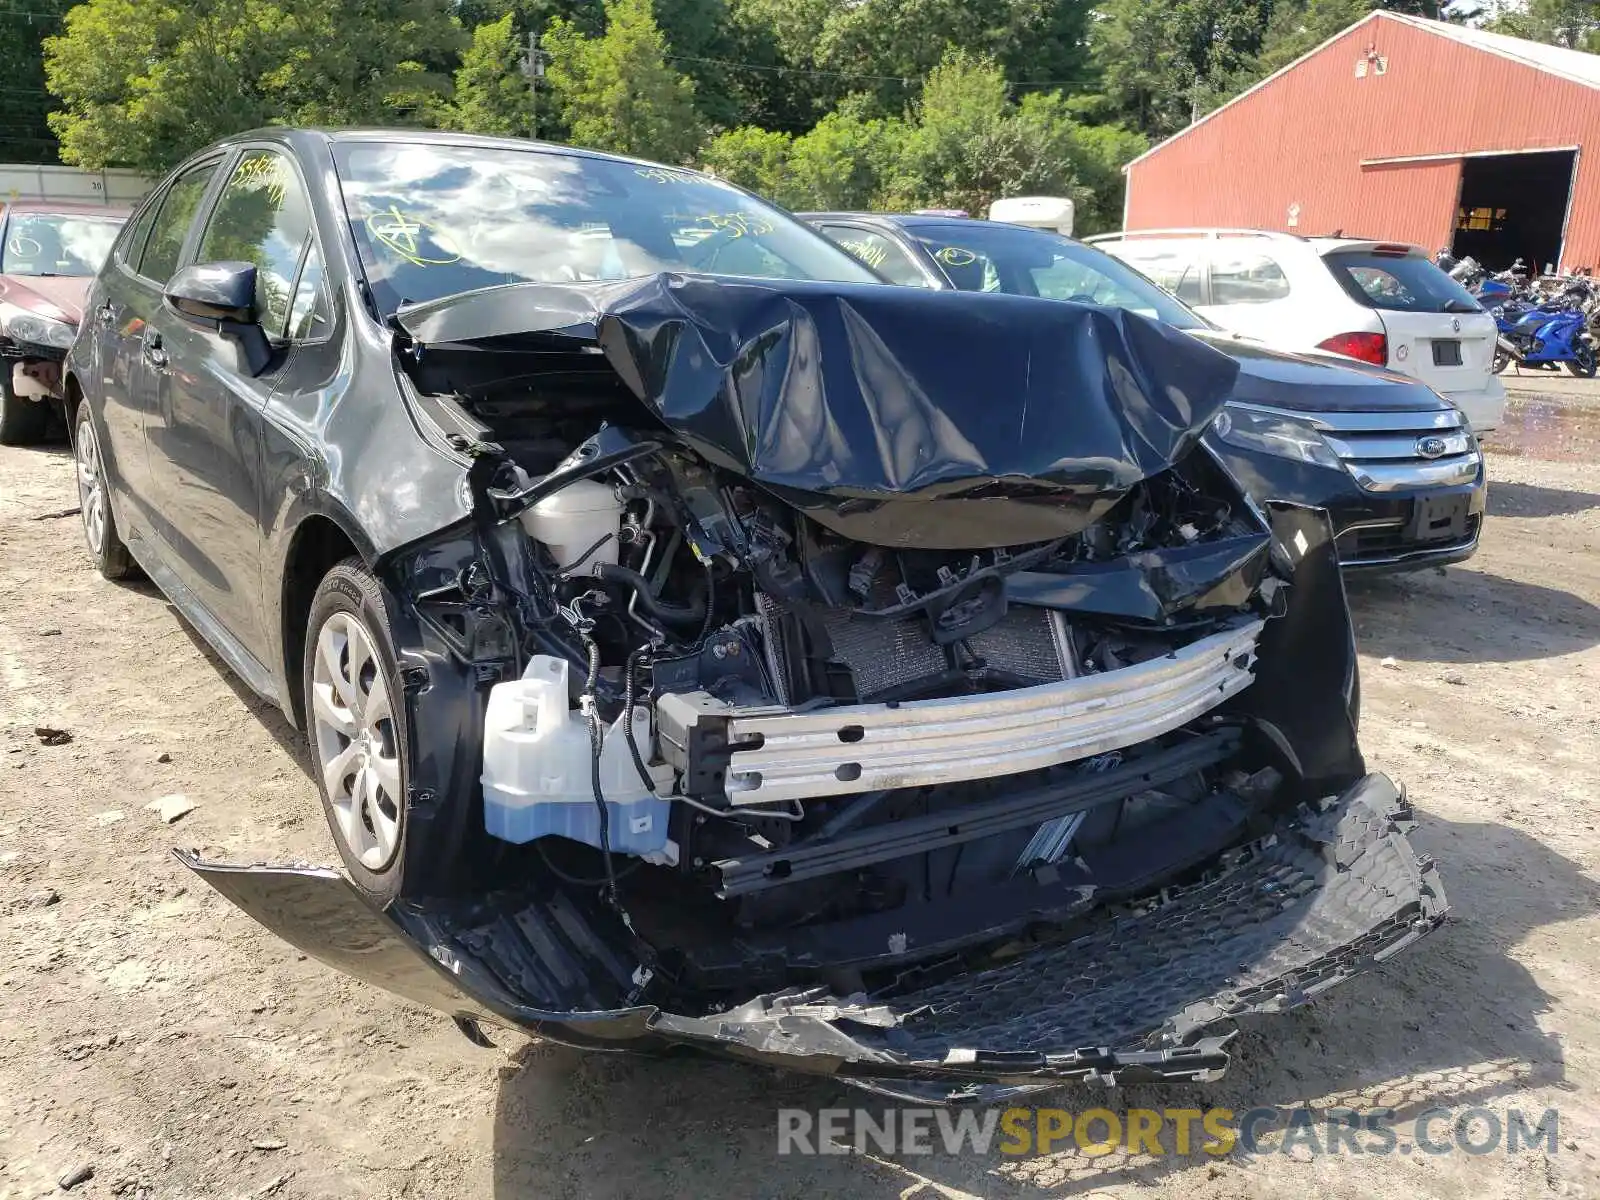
533	71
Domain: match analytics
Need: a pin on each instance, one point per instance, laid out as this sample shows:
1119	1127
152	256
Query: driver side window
262	218
170	227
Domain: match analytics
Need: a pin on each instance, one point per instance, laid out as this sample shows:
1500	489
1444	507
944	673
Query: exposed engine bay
790	685
813	663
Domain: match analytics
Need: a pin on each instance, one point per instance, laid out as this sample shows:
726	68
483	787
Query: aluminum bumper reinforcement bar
778	755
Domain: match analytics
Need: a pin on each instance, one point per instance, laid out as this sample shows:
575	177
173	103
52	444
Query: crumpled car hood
872	408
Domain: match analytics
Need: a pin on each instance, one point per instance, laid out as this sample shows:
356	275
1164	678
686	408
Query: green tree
699	36
144	82
533	16
962	142
616	92
778	84
700	41
1164	64
1574	24
492	95
1079	160
904	40
1299	27
25	136
843	162
754	158
964	145
967	145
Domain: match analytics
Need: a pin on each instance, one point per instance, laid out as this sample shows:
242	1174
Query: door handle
154	354
105	313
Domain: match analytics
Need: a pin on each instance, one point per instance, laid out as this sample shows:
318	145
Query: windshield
57	244
995	257
437	220
1398	282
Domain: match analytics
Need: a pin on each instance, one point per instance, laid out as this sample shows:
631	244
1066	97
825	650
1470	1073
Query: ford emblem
1431	447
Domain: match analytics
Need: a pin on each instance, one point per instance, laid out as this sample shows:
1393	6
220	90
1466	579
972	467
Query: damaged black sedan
703	645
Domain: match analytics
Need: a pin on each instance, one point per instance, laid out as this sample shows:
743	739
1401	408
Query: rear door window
132	242
1242	276
1398	282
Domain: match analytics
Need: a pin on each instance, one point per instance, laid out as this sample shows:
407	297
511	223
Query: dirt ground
151	1031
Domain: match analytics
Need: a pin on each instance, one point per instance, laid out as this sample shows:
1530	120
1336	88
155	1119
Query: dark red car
50	252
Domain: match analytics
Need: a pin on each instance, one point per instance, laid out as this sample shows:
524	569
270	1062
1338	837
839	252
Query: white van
1380	302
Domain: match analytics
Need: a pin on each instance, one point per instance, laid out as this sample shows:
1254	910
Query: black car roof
902	220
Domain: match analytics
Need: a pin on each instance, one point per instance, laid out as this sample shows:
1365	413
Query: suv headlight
1276	434
23	326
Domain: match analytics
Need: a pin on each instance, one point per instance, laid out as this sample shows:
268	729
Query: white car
1380	302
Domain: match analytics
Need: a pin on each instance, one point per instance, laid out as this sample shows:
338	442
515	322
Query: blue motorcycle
1540	336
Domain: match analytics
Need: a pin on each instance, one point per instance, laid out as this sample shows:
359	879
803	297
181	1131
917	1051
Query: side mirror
221	291
224	292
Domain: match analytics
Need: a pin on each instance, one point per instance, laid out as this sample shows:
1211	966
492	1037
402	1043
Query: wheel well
74	396
319	545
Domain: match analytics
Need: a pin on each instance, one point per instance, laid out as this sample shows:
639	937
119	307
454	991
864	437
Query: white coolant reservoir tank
537	769
574	519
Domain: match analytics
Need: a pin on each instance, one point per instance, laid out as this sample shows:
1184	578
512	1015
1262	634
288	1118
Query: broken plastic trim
1335	889
916	835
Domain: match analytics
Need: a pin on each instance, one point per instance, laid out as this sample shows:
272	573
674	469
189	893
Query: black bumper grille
1385	543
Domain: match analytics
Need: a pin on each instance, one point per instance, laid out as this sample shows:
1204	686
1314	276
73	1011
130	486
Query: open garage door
1514	206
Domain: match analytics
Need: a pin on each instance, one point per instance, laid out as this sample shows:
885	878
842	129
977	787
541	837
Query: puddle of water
1549	431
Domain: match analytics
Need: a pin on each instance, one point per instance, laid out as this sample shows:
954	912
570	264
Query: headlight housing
1275	434
23	326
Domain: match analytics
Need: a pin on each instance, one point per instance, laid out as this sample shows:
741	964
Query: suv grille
1391	452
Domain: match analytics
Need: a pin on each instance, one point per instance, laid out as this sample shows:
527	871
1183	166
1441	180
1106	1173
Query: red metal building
1404	129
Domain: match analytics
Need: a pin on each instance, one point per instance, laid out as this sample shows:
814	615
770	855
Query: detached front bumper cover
1280	920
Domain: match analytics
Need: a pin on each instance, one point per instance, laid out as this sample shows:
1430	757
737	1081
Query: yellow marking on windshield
736	224
667	175
405	237
955	256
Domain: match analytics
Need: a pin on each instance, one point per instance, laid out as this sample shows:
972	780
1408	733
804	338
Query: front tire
355	716
1502	360
1584	365
111	557
22	422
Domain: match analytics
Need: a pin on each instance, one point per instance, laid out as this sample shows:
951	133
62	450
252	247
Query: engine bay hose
692	613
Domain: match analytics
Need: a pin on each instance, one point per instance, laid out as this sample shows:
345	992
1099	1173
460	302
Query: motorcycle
1544	337
1542	323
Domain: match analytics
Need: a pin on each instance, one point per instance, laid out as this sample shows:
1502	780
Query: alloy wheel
356	741
91	487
